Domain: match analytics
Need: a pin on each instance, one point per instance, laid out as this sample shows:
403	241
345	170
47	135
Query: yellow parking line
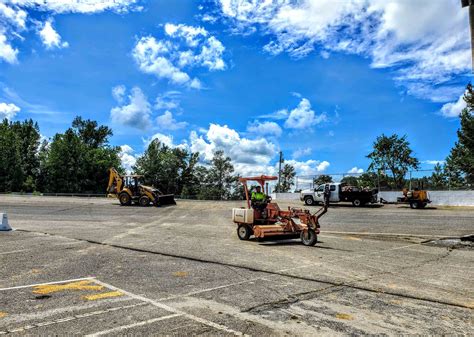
103	295
3	314
53	288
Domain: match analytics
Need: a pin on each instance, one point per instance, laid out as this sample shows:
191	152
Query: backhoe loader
128	190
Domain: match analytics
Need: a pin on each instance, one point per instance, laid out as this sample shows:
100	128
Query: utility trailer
415	198
340	192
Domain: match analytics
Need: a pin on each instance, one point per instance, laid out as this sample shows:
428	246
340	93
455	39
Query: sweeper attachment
128	190
264	219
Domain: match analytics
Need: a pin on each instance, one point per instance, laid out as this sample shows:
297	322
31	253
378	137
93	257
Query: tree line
77	161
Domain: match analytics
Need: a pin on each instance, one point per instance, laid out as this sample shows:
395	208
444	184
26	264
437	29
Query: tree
11	174
438	179
78	160
393	153
287	179
460	162
218	179
350	180
322	179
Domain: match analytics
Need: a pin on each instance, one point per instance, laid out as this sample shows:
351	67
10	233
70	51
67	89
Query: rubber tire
357	203
311	239
244	232
423	205
125	199
144	201
309	201
413	205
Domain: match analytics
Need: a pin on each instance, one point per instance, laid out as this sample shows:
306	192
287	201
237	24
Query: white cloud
434	162
8	110
168	100
355	169
303	116
308	167
264	128
249	156
13	15
164	139
7	52
77	6
278	115
167	122
127	157
301	152
427	41
136	113
118	92
50	38
185	47
453	109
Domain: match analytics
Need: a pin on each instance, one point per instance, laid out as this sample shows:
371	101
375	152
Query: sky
318	80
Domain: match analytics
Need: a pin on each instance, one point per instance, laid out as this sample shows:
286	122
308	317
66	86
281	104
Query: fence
383	180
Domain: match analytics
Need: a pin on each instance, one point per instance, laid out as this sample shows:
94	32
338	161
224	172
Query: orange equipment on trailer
266	220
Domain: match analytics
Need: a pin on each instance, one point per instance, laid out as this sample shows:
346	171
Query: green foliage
218	179
350	180
11	173
322	179
287	179
393	153
78	160
460	162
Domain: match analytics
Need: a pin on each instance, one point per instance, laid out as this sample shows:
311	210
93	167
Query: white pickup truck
340	192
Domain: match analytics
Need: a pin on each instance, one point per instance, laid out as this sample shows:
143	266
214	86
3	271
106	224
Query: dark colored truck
340	193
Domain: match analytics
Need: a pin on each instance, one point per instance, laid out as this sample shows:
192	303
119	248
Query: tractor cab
262	209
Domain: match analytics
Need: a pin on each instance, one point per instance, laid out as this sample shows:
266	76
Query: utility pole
470	4
279	171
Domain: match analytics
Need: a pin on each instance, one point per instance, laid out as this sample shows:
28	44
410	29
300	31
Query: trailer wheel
413	204
308	237
309	201
125	199
244	232
144	201
356	203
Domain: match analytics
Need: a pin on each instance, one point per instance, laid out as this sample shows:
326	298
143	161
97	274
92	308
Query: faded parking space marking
45	283
54	288
103	295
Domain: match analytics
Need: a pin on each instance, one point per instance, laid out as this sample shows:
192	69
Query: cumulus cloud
168	101
249	156
8	111
136	113
278	115
127	157
14	19
164	139
453	109
303	116
427	42
301	152
309	167
184	47
355	169
264	128
50	38
118	92
167	122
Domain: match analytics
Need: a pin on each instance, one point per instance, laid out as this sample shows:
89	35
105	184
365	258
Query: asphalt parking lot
92	267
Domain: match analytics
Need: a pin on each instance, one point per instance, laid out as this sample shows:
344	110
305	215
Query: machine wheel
414	204
309	237
125	199
356	203
309	201
244	232
144	201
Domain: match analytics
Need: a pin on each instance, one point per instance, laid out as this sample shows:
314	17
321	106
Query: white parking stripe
171	309
46	283
125	327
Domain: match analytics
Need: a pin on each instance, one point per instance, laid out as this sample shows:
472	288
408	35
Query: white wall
441	198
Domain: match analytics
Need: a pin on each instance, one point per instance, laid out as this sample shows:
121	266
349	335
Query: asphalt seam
194	259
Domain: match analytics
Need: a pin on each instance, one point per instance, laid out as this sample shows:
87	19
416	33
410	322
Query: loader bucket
166	199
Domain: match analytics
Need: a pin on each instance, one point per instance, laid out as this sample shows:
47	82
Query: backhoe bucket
166	199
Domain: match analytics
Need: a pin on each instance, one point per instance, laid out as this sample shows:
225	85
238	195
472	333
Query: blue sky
317	81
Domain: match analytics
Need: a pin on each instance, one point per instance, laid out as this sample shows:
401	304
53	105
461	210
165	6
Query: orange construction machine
264	219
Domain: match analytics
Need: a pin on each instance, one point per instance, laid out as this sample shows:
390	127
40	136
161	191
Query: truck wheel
125	199
244	232
308	237
413	204
309	201
144	201
356	203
